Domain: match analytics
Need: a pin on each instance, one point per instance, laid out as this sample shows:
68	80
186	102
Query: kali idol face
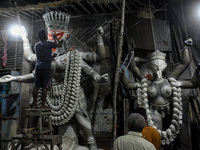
57	24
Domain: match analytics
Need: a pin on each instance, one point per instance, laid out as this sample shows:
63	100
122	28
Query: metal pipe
117	72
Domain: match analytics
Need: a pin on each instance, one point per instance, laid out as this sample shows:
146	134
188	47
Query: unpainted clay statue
157	93
66	97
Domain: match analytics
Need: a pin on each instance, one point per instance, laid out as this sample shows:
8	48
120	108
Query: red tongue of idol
59	34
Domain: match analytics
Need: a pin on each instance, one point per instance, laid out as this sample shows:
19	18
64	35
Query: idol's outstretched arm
28	78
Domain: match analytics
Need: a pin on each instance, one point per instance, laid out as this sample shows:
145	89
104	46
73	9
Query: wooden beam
93	7
37	6
67	10
127	6
75	9
116	6
27	14
137	1
13	18
13	15
132	3
83	8
103	10
108	6
35	14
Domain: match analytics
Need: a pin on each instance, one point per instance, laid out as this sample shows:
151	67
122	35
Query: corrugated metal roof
149	34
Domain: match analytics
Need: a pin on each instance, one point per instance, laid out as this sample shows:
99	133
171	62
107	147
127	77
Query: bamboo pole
196	110
117	72
189	123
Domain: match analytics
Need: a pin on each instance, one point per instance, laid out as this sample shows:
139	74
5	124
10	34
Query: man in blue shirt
43	51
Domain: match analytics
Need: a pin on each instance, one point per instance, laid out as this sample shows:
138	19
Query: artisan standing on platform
43	51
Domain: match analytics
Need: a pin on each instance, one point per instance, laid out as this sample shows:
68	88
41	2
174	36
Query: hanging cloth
4	34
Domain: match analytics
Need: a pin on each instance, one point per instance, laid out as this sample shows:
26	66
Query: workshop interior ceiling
33	9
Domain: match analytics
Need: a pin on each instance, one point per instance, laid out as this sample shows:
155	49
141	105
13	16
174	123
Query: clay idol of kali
66	97
157	93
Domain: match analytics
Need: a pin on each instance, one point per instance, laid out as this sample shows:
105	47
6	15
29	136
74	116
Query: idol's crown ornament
156	55
56	20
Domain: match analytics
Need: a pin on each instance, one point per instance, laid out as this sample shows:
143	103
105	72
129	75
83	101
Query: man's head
141	111
136	122
42	35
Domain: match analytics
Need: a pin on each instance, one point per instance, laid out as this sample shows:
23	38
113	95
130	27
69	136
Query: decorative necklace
63	100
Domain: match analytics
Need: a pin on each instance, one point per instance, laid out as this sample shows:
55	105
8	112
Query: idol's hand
102	78
7	78
100	31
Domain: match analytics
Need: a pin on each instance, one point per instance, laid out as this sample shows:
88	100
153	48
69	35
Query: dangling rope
19	21
32	30
152	28
4	34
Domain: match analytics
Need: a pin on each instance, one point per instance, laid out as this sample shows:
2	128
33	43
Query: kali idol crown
156	55
56	20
